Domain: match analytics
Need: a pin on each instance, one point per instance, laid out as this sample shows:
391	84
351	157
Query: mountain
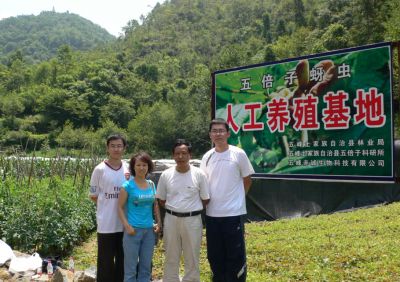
153	83
39	37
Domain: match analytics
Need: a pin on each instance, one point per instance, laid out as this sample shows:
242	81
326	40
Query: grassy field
363	245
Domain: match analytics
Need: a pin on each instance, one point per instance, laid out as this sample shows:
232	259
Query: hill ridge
39	37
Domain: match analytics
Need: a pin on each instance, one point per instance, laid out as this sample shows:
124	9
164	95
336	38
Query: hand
130	230
157	228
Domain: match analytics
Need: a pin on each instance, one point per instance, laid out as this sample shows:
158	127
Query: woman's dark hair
113	137
141	156
219	121
180	142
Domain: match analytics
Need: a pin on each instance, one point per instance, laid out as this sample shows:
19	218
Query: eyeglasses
218	131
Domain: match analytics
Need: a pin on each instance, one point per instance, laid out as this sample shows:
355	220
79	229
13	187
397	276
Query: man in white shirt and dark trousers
228	171
105	184
183	191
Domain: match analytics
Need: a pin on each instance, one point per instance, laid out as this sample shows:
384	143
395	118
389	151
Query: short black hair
180	142
144	157
219	121
116	136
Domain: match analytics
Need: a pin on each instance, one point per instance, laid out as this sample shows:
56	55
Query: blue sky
109	14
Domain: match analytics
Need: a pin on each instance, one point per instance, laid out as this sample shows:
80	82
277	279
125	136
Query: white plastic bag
6	252
19	264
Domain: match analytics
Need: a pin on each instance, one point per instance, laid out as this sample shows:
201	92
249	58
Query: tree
11	106
64	57
154	129
130	27
231	56
72	138
266	28
280	28
43	73
299	18
119	110
335	37
294	45
148	72
78	109
51	106
18	76
392	26
269	55
368	26
108	128
15	56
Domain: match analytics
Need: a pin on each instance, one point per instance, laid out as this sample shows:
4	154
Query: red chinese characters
253	124
230	120
305	112
278	114
336	115
369	108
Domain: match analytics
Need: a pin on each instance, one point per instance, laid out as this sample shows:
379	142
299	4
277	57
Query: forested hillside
39	37
153	83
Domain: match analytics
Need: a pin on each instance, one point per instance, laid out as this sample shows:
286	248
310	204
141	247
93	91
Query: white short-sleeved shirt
183	192
225	172
106	184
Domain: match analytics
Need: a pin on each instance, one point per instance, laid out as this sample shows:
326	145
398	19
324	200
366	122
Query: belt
183	214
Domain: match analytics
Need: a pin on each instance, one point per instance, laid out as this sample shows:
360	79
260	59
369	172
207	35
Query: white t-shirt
183	192
106	183
225	172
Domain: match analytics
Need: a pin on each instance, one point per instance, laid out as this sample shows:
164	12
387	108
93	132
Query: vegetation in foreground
37	198
353	246
50	216
44	205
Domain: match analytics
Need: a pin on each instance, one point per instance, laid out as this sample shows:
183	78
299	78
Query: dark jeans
226	250
110	257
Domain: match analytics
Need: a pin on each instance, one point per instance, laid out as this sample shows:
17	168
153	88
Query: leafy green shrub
51	216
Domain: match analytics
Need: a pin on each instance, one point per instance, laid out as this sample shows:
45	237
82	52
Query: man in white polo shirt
228	171
183	191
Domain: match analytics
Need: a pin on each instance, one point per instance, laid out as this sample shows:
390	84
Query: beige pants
182	235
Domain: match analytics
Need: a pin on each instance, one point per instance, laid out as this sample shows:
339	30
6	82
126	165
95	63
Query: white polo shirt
183	192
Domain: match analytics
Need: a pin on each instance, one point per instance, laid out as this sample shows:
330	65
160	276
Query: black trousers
110	257
226	250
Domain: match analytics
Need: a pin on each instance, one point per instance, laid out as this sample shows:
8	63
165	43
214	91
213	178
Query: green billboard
324	116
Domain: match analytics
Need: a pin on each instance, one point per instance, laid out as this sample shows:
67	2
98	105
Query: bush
49	216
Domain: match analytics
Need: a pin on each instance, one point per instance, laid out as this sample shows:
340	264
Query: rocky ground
60	274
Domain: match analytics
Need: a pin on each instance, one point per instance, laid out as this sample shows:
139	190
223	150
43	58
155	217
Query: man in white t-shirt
183	191
228	171
105	184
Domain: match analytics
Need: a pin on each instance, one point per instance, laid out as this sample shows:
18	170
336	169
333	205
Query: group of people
128	213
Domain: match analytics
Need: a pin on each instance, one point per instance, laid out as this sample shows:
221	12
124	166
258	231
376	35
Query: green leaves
50	217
